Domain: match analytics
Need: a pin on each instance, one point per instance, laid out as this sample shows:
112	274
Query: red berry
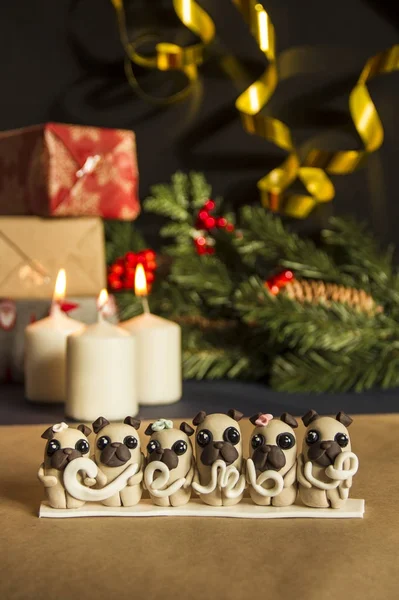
203	214
200	241
149	277
274	290
115	285
151	265
221	222
131	258
288	275
210	250
117	269
149	255
210	222
201	249
229	227
210	205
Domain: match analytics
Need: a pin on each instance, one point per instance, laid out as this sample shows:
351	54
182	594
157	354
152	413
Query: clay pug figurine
327	464
170	463
64	445
271	470
117	446
220	467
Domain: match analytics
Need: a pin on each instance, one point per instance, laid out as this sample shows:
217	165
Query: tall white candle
159	371
101	378
45	351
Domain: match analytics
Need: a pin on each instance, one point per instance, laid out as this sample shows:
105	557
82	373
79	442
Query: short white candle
101	378
45	351
159	370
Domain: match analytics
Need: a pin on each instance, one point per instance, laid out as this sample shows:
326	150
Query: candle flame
60	286
102	300
140	281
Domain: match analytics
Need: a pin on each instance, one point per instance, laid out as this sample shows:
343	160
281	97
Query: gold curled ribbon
169	56
317	163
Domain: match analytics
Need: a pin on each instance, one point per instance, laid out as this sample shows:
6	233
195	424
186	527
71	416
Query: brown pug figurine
220	467
327	464
271	470
170	463
64	445
117	446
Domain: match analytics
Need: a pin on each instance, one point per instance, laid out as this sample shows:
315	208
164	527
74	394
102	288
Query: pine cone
318	292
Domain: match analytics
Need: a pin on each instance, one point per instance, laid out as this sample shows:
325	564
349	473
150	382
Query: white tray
246	509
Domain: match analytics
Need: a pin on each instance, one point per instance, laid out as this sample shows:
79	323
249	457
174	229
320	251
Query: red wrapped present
69	171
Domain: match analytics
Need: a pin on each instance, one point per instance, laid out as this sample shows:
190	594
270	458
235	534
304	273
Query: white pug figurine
65	444
170	463
271	469
327	464
220	467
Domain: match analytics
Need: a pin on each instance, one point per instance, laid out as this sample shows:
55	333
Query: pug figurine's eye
342	439
285	441
103	441
82	446
232	435
312	437
257	441
153	445
179	447
130	441
52	447
204	437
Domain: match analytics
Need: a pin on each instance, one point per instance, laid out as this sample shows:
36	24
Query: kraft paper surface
32	250
199	558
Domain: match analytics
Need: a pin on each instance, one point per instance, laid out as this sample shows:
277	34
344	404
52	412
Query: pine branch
200	189
218	363
121	236
264	235
206	275
163	202
330	372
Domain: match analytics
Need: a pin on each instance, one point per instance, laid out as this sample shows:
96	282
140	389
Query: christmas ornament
206	223
122	271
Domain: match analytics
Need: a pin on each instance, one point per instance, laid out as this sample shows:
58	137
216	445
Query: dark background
63	61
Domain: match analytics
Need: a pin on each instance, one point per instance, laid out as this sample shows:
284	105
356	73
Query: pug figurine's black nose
159	451
218	445
68	451
326	445
265	449
116	444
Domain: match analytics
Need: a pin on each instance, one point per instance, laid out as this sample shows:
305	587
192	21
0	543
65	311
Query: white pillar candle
45	351
101	378
158	343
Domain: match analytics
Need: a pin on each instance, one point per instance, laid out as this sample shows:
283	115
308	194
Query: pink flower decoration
263	420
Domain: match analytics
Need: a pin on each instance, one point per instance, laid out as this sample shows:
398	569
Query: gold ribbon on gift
168	56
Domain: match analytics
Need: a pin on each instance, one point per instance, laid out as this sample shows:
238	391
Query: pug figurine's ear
149	430
310	416
48	434
254	418
132	422
99	424
199	418
344	419
84	429
289	420
186	428
235	414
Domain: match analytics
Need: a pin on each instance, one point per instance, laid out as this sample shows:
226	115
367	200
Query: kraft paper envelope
32	250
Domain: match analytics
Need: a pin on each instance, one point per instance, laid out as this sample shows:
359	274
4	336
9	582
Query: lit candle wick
101	304
59	293
140	287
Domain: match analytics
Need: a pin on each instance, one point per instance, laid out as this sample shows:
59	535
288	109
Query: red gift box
68	171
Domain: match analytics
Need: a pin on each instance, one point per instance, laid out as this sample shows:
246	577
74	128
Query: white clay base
246	509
